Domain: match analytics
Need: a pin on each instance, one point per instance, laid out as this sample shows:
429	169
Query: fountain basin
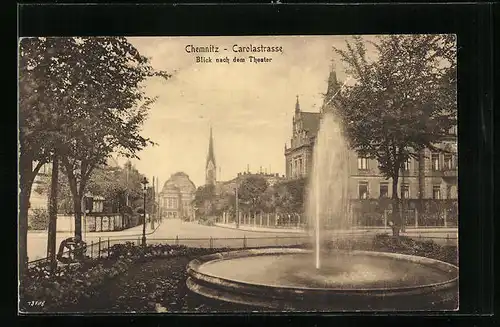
286	279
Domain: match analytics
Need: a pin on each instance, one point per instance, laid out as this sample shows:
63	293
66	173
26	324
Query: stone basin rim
194	265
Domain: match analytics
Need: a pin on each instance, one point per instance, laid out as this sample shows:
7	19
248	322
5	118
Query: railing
99	249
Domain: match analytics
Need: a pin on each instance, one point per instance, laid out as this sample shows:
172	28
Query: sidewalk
409	231
262	229
299	231
133	231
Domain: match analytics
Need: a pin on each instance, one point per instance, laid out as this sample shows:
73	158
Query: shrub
408	245
39	219
70	284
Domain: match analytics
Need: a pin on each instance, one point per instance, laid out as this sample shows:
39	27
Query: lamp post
145	189
236	208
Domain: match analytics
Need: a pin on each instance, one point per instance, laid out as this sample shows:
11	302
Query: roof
179	181
310	122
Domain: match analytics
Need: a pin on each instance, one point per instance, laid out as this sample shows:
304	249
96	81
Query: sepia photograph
237	174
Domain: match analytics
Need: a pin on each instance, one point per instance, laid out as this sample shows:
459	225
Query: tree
402	101
104	106
225	202
268	200
251	192
289	196
52	228
77	97
38	120
203	199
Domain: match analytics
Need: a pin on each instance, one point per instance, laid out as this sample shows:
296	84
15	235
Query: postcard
238	174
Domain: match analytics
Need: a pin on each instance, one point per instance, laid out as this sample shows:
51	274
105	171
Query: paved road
169	230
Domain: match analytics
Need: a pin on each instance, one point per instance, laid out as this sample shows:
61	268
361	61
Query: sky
249	105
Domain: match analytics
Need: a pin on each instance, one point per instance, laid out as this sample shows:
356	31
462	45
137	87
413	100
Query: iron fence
100	248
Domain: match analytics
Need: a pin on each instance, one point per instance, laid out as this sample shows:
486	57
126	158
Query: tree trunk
77	190
77	206
51	242
396	218
26	177
24	198
77	203
421	182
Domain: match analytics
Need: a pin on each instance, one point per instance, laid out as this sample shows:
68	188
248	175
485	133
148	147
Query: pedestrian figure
75	249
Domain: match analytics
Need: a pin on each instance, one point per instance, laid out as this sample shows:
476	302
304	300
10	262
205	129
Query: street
169	229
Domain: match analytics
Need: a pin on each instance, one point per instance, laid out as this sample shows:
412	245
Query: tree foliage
289	196
251	193
204	198
116	184
96	96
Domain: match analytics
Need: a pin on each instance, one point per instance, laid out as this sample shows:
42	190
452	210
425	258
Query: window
362	163
436	192
363	190
300	167
384	190
169	203
405	191
406	165
453	130
435	161
448	161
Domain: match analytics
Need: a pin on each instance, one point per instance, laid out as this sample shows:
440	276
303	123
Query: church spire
211	155
297	105
211	167
333	88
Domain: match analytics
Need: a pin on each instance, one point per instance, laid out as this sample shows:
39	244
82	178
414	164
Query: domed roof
179	181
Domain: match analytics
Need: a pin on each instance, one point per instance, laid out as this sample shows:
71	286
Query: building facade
298	156
433	176
176	197
225	187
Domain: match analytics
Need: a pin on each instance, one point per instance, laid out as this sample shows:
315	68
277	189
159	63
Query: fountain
327	199
287	279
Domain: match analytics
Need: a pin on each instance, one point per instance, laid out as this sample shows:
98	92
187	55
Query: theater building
176	197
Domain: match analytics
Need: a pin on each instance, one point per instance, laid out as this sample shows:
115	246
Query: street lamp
145	190
236	208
